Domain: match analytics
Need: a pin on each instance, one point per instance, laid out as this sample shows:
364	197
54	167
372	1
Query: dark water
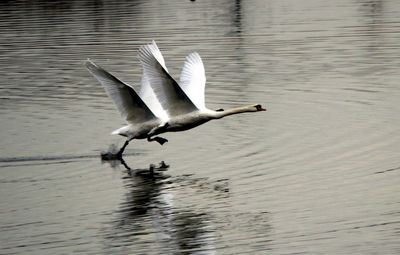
318	173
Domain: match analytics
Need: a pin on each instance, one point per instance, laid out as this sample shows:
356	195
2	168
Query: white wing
171	96
147	93
126	100
148	96
193	79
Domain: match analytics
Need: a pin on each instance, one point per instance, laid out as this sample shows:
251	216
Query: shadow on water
148	218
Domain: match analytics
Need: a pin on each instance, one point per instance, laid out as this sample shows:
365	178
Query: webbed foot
158	139
112	155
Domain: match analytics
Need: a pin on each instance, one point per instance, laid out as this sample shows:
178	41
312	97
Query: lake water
318	173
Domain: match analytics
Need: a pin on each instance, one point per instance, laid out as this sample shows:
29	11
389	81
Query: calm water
318	173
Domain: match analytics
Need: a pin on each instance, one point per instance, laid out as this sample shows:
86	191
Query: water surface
318	173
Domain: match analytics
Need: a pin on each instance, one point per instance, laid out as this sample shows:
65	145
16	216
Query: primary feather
193	79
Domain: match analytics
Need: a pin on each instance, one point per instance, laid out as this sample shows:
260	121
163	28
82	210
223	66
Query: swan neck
233	111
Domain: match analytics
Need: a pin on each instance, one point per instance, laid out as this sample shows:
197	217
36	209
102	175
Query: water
318	173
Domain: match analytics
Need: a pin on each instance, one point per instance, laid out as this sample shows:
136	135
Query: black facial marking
259	108
219	110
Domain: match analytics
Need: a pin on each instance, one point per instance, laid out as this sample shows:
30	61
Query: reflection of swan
148	220
153	170
163	105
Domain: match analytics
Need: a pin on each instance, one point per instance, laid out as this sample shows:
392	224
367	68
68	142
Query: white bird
163	104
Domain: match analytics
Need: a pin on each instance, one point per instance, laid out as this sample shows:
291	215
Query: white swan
163	104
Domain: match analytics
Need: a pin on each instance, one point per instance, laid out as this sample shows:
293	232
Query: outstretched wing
126	100
171	96
150	99
147	94
193	79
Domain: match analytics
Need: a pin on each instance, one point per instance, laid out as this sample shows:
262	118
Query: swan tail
121	131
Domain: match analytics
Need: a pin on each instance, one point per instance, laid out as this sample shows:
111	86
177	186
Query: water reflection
148	219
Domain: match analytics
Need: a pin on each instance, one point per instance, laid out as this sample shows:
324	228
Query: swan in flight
163	104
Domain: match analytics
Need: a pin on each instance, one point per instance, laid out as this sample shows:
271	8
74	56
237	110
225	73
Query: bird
163	105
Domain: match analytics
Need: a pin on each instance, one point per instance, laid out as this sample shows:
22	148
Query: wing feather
170	95
126	100
193	79
148	95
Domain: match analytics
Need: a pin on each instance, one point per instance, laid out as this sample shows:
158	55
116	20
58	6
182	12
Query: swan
163	105
141	120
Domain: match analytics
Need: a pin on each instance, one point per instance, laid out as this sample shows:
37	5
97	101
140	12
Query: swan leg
119	153
158	139
114	156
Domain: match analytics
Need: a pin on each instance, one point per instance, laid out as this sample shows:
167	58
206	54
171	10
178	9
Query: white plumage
170	95
128	103
193	79
146	91
163	104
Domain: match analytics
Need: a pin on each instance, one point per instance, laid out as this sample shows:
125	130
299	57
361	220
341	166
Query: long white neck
221	114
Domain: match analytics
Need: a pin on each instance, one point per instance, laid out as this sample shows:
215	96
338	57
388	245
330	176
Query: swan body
162	105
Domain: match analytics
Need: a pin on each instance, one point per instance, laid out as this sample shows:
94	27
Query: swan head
258	107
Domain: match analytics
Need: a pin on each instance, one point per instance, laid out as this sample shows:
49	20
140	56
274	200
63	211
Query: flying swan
162	105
